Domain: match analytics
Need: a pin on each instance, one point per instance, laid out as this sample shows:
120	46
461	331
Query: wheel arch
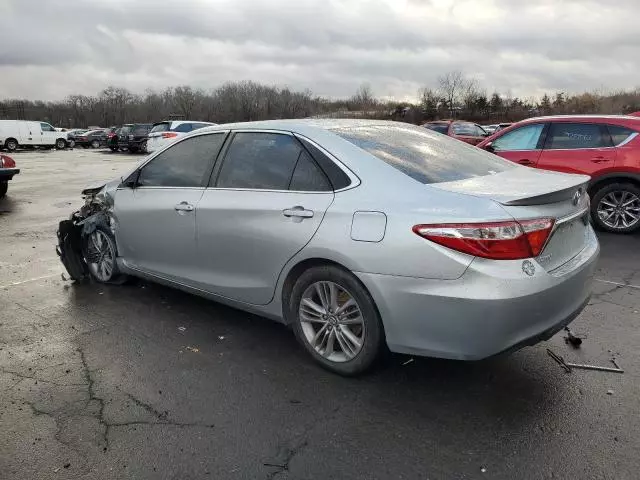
614	177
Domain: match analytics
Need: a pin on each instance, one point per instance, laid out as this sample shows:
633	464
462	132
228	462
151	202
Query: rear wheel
3	188
336	320
616	208
11	144
114	149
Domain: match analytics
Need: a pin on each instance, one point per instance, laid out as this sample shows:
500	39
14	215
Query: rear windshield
437	127
423	156
161	127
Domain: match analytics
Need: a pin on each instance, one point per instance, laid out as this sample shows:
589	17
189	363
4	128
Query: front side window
259	160
47	128
573	136
523	138
183	165
620	135
421	155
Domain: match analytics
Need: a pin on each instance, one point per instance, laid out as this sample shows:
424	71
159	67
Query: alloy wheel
619	209
100	256
332	321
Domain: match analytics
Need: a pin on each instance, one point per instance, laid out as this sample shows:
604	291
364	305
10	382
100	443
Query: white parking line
618	283
30	280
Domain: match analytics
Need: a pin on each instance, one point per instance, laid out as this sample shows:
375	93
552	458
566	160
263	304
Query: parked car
607	148
7	171
133	137
71	136
357	233
92	139
166	132
496	127
23	133
465	131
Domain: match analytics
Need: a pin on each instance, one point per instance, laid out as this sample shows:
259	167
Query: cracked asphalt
141	381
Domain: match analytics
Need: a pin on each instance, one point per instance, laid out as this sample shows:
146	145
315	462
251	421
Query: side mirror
131	181
489	147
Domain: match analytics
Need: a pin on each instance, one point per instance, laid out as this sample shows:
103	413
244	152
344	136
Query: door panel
246	237
522	145
156	229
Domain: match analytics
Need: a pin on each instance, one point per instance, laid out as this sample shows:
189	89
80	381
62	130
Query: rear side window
160	127
620	134
184	128
307	177
183	165
423	156
523	138
573	136
437	127
259	161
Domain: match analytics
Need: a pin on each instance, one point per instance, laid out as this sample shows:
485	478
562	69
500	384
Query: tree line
455	96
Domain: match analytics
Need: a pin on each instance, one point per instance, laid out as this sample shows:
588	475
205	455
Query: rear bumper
494	307
7	174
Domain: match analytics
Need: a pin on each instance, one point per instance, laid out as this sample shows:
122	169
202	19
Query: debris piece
609	392
572	339
483	469
559	360
66	465
595	367
56	470
408	362
100	293
295	401
221	337
615	362
64	279
182	329
192	349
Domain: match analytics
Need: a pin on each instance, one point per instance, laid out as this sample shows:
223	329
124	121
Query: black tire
114	149
598	197
61	144
95	144
85	146
143	147
11	144
373	343
133	149
3	188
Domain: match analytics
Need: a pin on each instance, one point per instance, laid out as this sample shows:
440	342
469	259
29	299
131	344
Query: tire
85	146
95	144
100	253
3	188
72	143
143	147
61	144
615	207
114	149
133	149
368	330
11	144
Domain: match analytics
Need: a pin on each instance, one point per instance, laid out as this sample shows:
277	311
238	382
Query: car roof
580	118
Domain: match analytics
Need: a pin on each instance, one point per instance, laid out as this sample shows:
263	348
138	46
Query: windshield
421	155
160	127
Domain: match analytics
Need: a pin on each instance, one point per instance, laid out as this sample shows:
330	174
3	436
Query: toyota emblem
576	196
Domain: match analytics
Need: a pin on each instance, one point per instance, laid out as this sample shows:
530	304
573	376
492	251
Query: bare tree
452	85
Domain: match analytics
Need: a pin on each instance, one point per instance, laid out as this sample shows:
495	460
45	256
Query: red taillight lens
6	162
169	135
496	240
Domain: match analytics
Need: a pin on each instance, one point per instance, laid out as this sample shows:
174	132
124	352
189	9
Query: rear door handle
525	161
297	212
183	207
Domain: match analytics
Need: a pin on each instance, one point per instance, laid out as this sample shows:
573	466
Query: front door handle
183	207
297	212
525	161
600	160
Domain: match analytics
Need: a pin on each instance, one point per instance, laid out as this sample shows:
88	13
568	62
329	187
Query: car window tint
196	126
467	129
184	164
307	177
141	130
184	128
523	138
571	136
480	132
423	155
259	160
160	127
620	134
437	127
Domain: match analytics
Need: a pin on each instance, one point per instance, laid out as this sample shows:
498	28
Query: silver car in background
361	235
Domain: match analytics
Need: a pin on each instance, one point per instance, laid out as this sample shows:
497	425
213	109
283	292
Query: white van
22	133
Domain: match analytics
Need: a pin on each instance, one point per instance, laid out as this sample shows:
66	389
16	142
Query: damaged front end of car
82	252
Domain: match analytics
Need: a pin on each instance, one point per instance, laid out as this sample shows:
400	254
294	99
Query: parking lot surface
141	381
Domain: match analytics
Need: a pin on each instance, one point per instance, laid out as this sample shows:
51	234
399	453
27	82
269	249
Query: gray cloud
51	48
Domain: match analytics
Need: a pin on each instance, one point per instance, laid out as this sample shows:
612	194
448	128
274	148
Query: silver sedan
360	235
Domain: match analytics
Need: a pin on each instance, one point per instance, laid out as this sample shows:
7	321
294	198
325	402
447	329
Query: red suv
607	148
466	131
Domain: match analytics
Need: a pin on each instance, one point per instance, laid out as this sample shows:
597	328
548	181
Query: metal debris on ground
572	339
182	329
568	366
407	362
609	392
192	349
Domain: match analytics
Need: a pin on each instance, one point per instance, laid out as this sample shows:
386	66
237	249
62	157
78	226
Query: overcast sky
52	48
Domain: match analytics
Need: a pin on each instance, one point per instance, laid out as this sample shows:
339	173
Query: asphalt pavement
141	381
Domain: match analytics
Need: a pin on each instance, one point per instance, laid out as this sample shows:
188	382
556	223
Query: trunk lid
525	193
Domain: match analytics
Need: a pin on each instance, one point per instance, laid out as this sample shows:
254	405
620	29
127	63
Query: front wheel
336	320
616	208
3	188
100	254
114	149
11	145
61	144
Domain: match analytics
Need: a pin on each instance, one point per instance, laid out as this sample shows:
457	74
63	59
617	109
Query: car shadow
8	204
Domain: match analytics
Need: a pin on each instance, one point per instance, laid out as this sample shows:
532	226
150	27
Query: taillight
510	240
6	162
169	135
